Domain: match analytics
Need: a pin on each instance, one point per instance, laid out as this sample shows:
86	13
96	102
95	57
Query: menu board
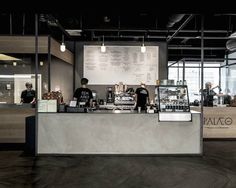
125	64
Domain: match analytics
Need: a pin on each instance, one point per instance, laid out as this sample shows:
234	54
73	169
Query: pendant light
103	47
62	46
143	48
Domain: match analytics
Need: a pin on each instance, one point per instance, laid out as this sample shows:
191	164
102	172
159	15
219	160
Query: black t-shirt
83	95
27	96
142	95
227	99
208	97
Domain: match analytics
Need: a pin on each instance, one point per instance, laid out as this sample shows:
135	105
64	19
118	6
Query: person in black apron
28	95
83	94
142	97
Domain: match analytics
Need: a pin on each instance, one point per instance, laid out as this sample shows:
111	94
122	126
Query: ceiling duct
174	19
51	21
231	44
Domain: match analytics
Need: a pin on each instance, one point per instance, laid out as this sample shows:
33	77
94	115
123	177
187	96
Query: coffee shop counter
102	132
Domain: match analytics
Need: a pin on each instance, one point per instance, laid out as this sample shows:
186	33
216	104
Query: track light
143	48
103	47
63	46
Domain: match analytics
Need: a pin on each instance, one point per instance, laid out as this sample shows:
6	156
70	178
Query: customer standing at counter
141	96
28	95
208	94
83	94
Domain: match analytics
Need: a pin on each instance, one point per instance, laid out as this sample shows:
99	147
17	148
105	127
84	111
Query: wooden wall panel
66	56
12	125
26	45
22	44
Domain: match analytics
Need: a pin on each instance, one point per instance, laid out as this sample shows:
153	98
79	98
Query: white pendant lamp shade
143	48
103	47
62	46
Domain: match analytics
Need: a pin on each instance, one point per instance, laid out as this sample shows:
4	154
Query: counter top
2	106
114	112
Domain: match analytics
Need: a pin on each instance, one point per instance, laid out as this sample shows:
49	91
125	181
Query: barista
227	97
208	94
28	95
141	97
83	94
233	102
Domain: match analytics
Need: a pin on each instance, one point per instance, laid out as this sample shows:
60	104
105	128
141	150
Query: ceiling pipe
154	30
187	37
206	59
160	37
181	27
194	48
51	21
10	25
23	24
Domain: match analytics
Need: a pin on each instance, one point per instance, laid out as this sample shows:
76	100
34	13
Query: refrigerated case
173	102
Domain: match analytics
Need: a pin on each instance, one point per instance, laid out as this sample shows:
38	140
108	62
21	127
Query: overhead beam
194	48
154	30
161	37
181	27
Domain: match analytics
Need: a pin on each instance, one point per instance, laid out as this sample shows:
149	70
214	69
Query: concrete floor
215	169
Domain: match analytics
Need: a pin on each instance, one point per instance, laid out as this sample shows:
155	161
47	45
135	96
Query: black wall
101	89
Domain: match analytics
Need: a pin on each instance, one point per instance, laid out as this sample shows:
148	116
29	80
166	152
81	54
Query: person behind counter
233	102
227	97
141	97
83	94
28	95
208	94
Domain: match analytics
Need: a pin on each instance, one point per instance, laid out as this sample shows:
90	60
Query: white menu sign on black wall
125	64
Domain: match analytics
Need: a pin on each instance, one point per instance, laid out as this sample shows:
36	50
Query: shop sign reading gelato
221	122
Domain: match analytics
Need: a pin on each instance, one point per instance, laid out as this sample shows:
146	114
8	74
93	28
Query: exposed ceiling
181	31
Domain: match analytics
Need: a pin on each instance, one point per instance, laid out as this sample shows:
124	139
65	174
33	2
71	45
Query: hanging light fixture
63	46
143	48
103	47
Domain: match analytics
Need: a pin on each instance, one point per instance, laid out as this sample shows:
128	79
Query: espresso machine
110	95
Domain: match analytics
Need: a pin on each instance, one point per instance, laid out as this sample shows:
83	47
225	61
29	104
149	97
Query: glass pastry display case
173	102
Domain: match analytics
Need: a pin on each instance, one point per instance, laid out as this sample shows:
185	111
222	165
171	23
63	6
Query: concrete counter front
100	133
